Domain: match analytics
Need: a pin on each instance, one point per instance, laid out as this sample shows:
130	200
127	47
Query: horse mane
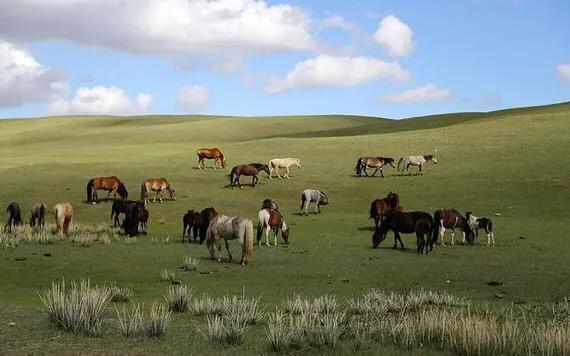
322	193
428	157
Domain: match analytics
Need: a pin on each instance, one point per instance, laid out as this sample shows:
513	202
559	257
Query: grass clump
120	294
225	329
131	321
320	305
158	319
178	298
134	322
167	275
190	264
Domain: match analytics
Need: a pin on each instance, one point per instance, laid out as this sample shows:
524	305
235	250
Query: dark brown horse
14	217
481	223
37	216
451	219
211	153
121	207
418	222
250	170
208	215
269	204
135	215
381	207
111	184
191	222
372	162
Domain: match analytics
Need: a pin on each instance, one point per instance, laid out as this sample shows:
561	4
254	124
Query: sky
259	57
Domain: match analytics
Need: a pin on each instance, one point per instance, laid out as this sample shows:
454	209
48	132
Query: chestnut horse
157	185
251	170
417	222
111	184
381	207
372	162
211	153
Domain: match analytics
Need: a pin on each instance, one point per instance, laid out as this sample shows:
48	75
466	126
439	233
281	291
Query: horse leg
420	171
317	209
267	235
381	172
364	169
278	175
276	231
453	237
161	197
401	242
228	249
375	171
463	237
305	208
442	235
287	172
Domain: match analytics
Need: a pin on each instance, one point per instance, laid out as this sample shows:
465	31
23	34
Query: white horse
419	161
277	163
315	196
230	228
271	219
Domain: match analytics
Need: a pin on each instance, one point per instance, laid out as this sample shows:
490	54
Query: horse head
379	235
298	163
264	168
324	200
390	161
434	159
122	190
285	235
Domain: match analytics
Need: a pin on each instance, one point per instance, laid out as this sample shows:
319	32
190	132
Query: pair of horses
196	223
136	215
211	153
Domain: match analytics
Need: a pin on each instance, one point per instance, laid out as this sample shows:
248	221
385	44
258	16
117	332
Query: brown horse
451	219
417	222
269	204
208	215
157	185
251	170
37	215
211	153
381	207
120	207
63	217
111	184
191	222
271	219
372	162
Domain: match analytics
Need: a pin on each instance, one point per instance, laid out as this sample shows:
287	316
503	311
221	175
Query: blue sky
246	57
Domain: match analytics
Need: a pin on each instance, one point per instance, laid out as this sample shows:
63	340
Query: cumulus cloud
339	22
395	36
168	27
337	71
429	92
24	80
101	100
194	98
564	72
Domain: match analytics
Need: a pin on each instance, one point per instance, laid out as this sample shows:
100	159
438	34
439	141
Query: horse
381	207
372	162
481	223
135	215
451	219
418	222
207	215
312	196
120	207
230	228
211	153
191	222
111	184
270	219
419	161
63	217
157	185
277	163
14	216
37	215
251	169
269	204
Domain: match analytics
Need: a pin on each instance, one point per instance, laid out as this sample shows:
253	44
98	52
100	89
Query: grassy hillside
513	164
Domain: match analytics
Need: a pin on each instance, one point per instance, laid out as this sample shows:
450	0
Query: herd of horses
215	229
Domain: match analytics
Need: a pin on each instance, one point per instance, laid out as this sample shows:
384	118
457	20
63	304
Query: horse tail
144	191
89	190
232	174
358	167
260	223
223	159
373	210
247	241
302	201
436	226
399	162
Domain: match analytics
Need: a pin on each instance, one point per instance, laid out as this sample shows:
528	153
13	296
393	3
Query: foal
481	223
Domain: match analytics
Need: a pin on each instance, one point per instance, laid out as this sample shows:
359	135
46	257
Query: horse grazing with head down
481	223
383	206
270	219
14	216
224	228
211	153
38	215
207	215
452	219
158	186
111	184
277	163
417	222
418	161
372	162
250	170
191	222
63	217
312	196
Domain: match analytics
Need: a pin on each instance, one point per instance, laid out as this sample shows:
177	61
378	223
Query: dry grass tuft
178	298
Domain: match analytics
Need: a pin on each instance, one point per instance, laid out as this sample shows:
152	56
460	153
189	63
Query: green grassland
513	163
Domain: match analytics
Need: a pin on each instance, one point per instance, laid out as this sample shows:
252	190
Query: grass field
510	165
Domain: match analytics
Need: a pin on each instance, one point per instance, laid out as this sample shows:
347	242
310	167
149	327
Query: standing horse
120	207
208	215
270	219
111	184
63	217
269	204
37	215
191	222
372	162
14	217
419	161
312	196
224	228
211	153
481	223
157	185
135	215
451	219
418	222
381	207
277	163
251	170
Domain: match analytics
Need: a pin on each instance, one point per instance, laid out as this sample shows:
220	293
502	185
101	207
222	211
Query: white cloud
101	100
195	98
24	80
337	71
564	72
429	92
339	22
174	28
395	36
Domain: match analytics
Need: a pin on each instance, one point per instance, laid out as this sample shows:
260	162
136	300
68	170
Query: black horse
207	215
191	223
134	220
451	219
14	217
418	222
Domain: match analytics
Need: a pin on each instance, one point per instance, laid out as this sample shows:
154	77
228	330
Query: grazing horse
381	207
111	184
312	196
451	219
270	219
120	207
372	162
14	217
251	170
211	153
224	228
418	222
269	204
208	215
157	185
191	222
38	215
277	163
135	215
481	223
63	217
419	161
